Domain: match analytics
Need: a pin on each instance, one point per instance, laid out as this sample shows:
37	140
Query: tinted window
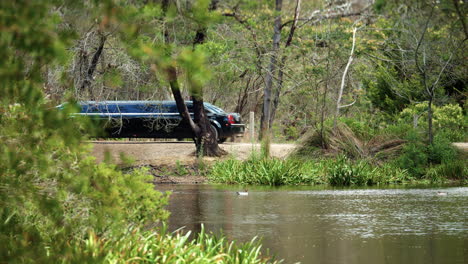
214	109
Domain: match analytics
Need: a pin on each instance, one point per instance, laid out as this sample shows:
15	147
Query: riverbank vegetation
354	155
374	91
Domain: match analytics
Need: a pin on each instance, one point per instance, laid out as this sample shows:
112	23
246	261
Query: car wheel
215	132
222	140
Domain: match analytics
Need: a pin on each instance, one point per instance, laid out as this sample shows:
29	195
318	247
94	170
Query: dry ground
461	146
168	153
166	159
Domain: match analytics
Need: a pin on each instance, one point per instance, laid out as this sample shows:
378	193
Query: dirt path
461	146
169	153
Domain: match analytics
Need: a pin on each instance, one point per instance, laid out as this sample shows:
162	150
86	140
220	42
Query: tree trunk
461	17
206	142
265	120
429	120
282	63
343	79
92	68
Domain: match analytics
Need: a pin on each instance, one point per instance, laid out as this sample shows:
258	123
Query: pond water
326	225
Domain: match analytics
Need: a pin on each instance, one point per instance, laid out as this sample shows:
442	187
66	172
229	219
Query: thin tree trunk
429	119
282	63
422	71
265	119
461	17
86	85
343	79
323	141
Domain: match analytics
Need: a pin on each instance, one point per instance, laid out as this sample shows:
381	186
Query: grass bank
335	172
339	171
354	154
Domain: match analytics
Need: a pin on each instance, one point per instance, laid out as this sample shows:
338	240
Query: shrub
449	116
53	192
361	129
441	149
345	172
414	158
455	169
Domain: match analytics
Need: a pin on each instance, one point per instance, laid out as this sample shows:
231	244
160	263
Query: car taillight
231	119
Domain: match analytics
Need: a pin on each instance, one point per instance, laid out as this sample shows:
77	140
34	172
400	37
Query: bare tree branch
343	79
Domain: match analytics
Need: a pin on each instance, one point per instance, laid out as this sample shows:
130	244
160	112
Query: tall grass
163	247
337	172
262	171
345	172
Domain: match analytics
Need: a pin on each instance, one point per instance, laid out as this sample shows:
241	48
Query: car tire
222	140
216	132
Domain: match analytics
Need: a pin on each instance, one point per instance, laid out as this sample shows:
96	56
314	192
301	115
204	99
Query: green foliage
52	193
162	247
193	62
390	174
336	172
382	87
345	173
52	190
259	171
180	170
414	157
455	170
360	127
447	117
441	150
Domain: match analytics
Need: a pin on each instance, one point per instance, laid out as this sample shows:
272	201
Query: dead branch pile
342	140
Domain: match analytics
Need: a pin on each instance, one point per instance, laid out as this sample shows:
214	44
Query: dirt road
463	146
168	153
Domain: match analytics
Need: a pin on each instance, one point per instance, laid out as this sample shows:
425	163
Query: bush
53	192
441	150
455	170
414	158
361	129
345	172
447	117
336	172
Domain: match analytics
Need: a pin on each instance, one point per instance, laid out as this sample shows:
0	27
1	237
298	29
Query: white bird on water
244	193
441	193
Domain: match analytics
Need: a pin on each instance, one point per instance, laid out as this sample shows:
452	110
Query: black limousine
156	119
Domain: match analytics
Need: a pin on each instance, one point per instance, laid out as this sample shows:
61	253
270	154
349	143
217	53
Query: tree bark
461	17
92	67
282	63
343	79
265	119
429	119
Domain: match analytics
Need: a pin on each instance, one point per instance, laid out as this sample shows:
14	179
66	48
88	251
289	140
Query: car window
214	109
